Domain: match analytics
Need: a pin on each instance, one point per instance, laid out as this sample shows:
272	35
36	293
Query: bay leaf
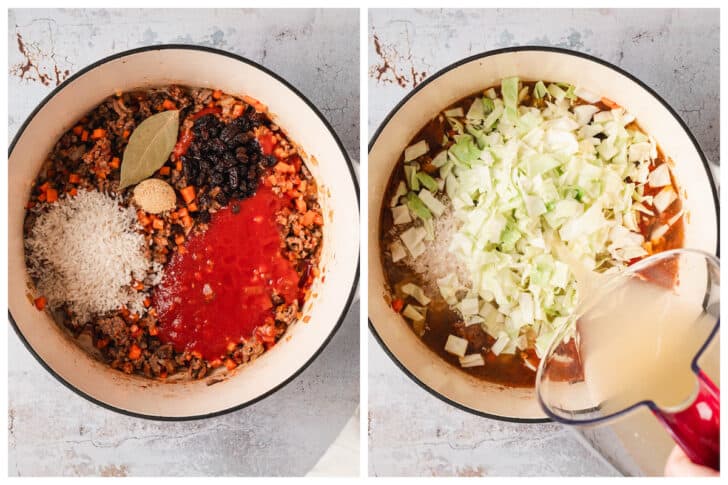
149	147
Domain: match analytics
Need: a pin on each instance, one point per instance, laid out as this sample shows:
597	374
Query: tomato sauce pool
219	289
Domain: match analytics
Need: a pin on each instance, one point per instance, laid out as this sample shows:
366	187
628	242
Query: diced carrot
283	167
259	107
147	302
98	133
138	285
192	207
188	194
134	317
158	224
318	220
74	178
153	331
217	94
181	249
73	192
40	302
215	363
610	104
51	195
397	305
163	374
101	343
45	186
124	312
183	212
179	239
126	134
308	218
237	111
178	166
187	221
164	170
115	162
196	353
84	135
77	130
135	352
169	104
134	328
42	197
301	205
230	364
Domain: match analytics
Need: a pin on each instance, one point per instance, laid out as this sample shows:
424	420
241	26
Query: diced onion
401	214
472	360
664	198
660	176
456	345
416	151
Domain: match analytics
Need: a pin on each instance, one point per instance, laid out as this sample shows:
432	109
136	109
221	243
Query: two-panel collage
363	242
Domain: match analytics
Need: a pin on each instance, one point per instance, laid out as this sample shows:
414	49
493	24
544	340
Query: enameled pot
323	154
465	78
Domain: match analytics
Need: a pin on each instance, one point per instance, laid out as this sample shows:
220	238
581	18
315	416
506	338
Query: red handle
697	428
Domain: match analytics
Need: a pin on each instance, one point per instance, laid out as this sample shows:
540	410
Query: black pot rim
352	174
490	53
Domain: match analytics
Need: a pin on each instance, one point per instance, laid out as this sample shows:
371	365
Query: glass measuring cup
637	341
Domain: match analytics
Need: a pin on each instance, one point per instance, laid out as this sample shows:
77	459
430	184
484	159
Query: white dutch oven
467	77
333	292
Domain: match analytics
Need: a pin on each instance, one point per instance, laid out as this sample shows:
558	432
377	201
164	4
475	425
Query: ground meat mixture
227	146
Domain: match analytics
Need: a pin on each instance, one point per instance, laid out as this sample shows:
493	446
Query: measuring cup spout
697	429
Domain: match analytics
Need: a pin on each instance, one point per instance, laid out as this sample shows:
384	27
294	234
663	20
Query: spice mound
84	253
155	196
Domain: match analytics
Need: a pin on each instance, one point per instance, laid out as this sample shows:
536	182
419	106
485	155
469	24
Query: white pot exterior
468	77
198	67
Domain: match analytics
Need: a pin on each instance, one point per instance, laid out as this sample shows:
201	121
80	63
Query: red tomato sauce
219	290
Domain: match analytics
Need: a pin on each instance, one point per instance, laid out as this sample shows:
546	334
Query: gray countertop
674	51
52	431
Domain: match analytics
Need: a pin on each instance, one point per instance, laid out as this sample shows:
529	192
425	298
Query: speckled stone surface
674	52
52	431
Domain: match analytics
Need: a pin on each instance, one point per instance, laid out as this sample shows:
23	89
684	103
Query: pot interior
466	79
338	197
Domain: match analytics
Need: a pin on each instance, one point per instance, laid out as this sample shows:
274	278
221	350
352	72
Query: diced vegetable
472	360
455	113
509	89
456	345
416	292
664	198
398	251
399	192
440	159
410	174
429	183
416	151
417	206
660	176
413	312
401	214
437	207
476	111
412	237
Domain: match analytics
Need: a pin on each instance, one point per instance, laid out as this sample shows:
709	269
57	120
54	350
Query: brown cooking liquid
441	321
